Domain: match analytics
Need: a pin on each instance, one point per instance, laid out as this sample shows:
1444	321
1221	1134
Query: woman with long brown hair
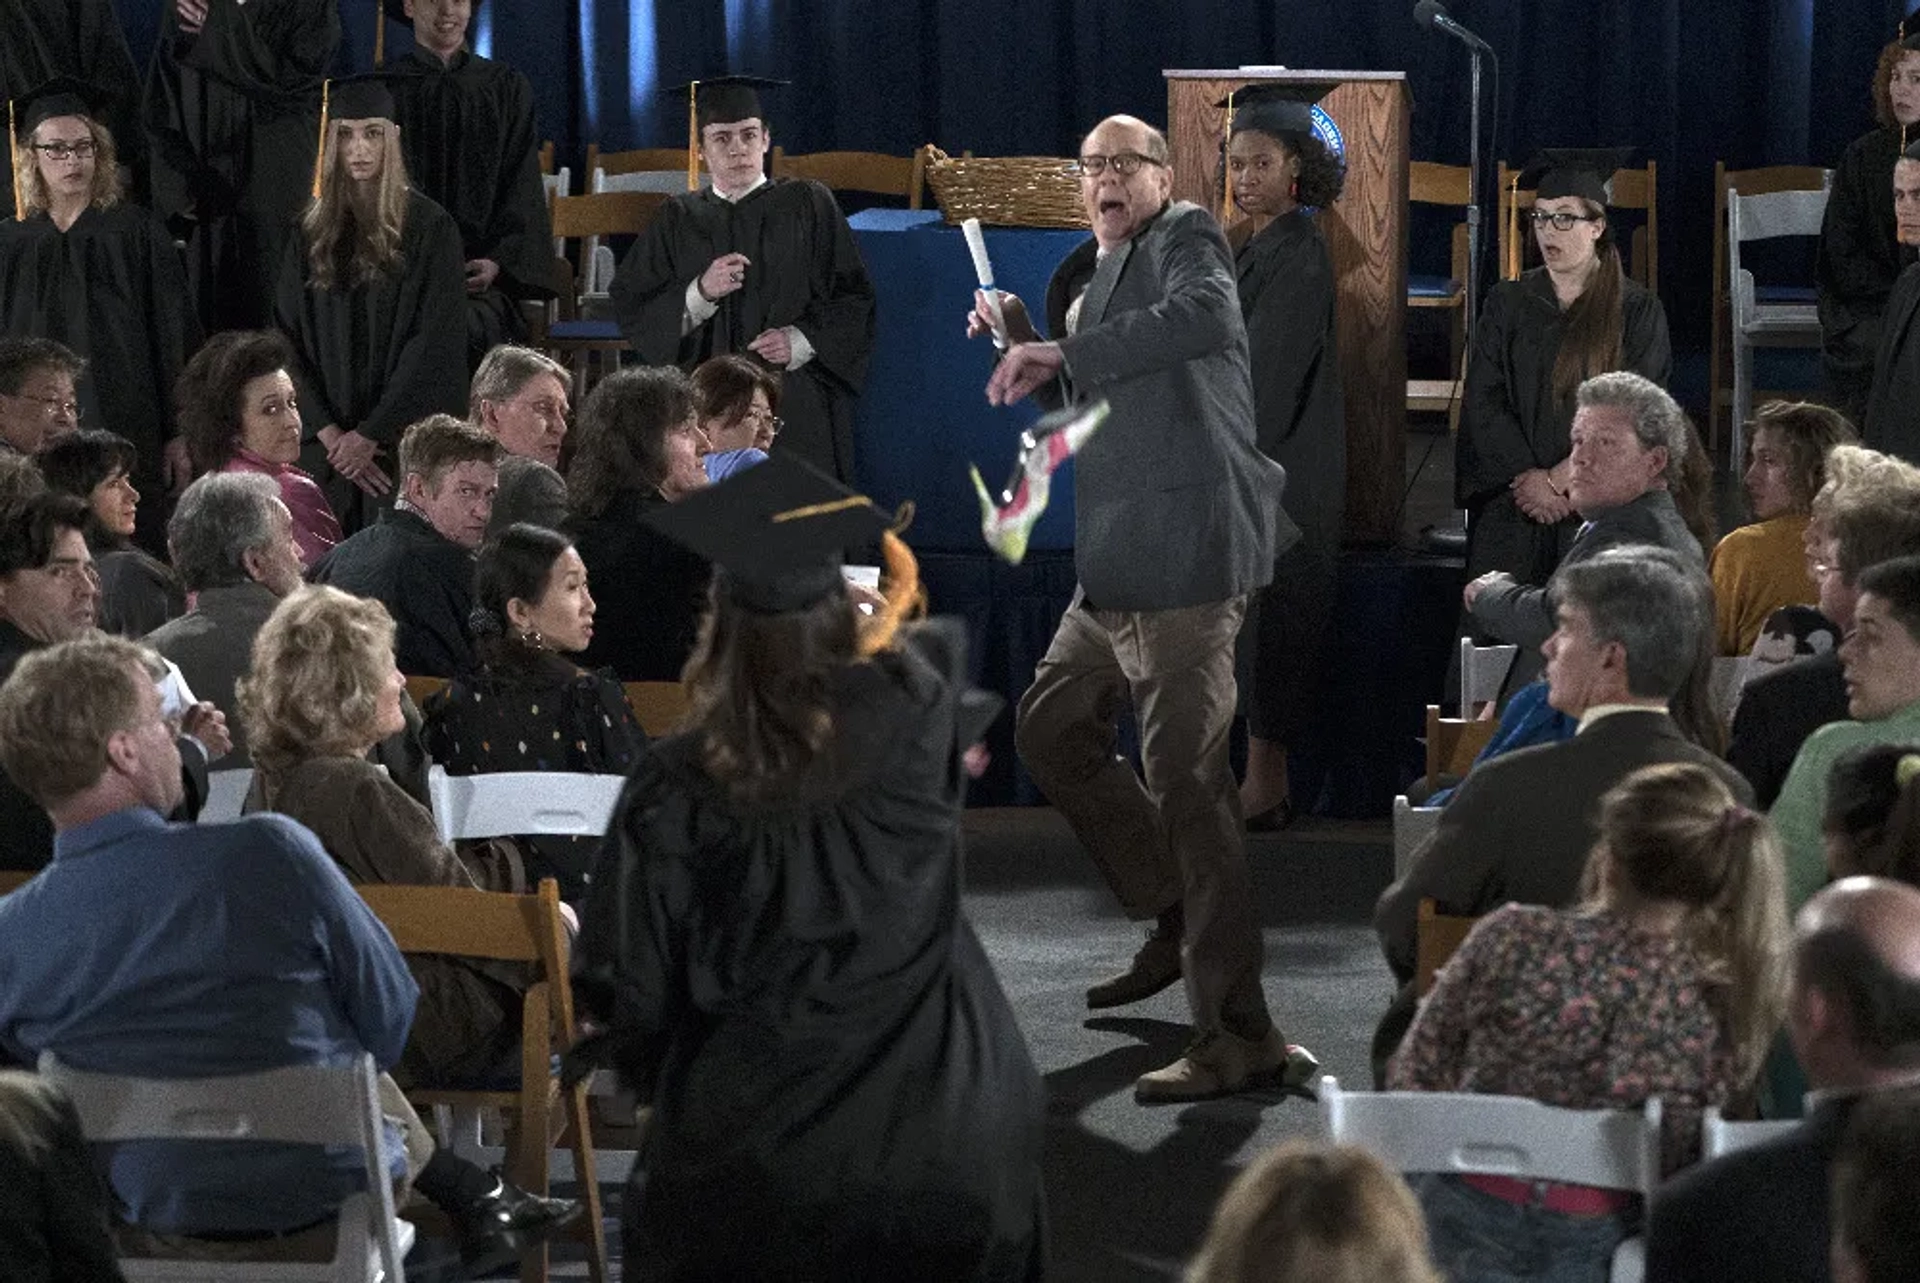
372	294
1537	339
775	938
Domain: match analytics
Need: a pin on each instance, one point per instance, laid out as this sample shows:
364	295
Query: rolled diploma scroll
983	269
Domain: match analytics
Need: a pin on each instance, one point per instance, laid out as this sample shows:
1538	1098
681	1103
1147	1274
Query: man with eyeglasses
1177	520
520	396
38	402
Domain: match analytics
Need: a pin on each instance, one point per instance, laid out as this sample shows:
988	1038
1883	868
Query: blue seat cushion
593	331
1431	286
1785	294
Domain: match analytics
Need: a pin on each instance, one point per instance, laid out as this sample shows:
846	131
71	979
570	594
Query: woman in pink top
238	413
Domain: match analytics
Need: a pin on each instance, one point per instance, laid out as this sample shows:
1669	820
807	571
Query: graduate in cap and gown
760	266
1892	421
1859	255
774	934
371	294
1280	173
232	102
467	131
1536	340
80	39
84	267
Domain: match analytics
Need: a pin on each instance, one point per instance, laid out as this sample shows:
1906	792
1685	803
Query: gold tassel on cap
320	157
379	33
1226	166
693	136
13	158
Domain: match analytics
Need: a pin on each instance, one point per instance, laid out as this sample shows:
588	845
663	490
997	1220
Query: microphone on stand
1431	13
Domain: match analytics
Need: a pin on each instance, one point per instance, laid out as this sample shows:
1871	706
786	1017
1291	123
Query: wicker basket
1007	191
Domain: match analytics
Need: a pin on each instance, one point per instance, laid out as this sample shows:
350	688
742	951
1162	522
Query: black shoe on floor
494	1231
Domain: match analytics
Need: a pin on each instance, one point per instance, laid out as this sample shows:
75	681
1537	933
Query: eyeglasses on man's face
52	406
1124	163
61	149
1562	221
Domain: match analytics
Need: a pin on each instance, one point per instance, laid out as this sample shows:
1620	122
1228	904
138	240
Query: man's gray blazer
1174	504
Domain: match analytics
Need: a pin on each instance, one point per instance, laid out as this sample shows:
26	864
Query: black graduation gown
1287	297
377	357
1510	420
806	272
234	115
840	1088
649	592
41	39
1858	260
1892	421
111	288
468	133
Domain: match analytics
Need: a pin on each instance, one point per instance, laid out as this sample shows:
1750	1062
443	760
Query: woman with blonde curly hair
371	292
82	267
322	692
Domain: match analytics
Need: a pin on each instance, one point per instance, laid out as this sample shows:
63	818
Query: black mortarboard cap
1908	33
363	97
1276	107
725	99
1911	151
776	533
59	96
1574	171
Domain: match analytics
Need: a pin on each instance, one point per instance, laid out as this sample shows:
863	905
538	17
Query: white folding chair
1462	1132
226	794
1728	677
298	1105
506	803
1719	1136
598	263
1765	324
1483	672
1412	825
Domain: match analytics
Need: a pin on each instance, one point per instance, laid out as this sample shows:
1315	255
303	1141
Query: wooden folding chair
659	707
573	339
12	880
1453	743
1451	186
421	689
859	171
514	928
1632	189
1436	936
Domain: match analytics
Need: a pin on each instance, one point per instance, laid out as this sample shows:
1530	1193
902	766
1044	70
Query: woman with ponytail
1537	339
774	935
1667	980
1872	820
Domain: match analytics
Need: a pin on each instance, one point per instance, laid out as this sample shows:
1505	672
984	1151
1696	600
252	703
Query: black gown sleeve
290	316
1851	269
519	234
1644	346
426	370
839	317
1288	298
1493	447
649	288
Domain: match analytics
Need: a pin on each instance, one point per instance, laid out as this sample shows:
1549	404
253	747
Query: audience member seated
639	450
168	950
417	559
137	593
322	691
1872	822
1881	661
1876	1186
1880	497
520	396
526	707
239	413
1334	1214
1520	827
1853	1015
1666	980
39	398
1762	567
1630	446
53	1210
736	399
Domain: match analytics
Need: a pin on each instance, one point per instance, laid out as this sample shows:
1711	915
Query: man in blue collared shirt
186	950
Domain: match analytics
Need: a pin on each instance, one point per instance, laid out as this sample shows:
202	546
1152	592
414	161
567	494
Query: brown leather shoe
1219	1063
1156	966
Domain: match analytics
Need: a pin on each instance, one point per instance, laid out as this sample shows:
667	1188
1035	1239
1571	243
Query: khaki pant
1176	836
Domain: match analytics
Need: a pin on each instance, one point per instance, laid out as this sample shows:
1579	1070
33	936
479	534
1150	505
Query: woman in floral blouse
1667	980
526	707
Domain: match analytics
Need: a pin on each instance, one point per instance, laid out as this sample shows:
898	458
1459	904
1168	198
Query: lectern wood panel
1367	238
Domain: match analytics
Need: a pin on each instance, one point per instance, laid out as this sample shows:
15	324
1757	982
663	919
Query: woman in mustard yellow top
1761	567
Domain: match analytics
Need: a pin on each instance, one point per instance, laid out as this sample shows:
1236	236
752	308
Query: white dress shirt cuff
802	350
699	309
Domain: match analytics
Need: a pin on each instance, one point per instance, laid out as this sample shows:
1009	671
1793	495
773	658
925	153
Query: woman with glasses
83	267
735	399
1279	170
1537	339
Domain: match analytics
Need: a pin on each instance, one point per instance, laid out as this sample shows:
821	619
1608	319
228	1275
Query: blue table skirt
923	416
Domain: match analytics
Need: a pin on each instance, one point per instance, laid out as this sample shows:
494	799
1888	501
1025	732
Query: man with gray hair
1630	442
520	396
1629	624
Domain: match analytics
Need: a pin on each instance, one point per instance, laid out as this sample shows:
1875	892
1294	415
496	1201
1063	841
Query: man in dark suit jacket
1631	621
1760	1214
1630	441
417	559
1177	521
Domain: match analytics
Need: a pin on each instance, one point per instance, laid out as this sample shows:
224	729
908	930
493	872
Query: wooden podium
1366	233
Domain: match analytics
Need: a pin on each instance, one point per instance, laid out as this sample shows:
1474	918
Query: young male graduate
84	267
1892	423
41	39
756	265
233	98
466	128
